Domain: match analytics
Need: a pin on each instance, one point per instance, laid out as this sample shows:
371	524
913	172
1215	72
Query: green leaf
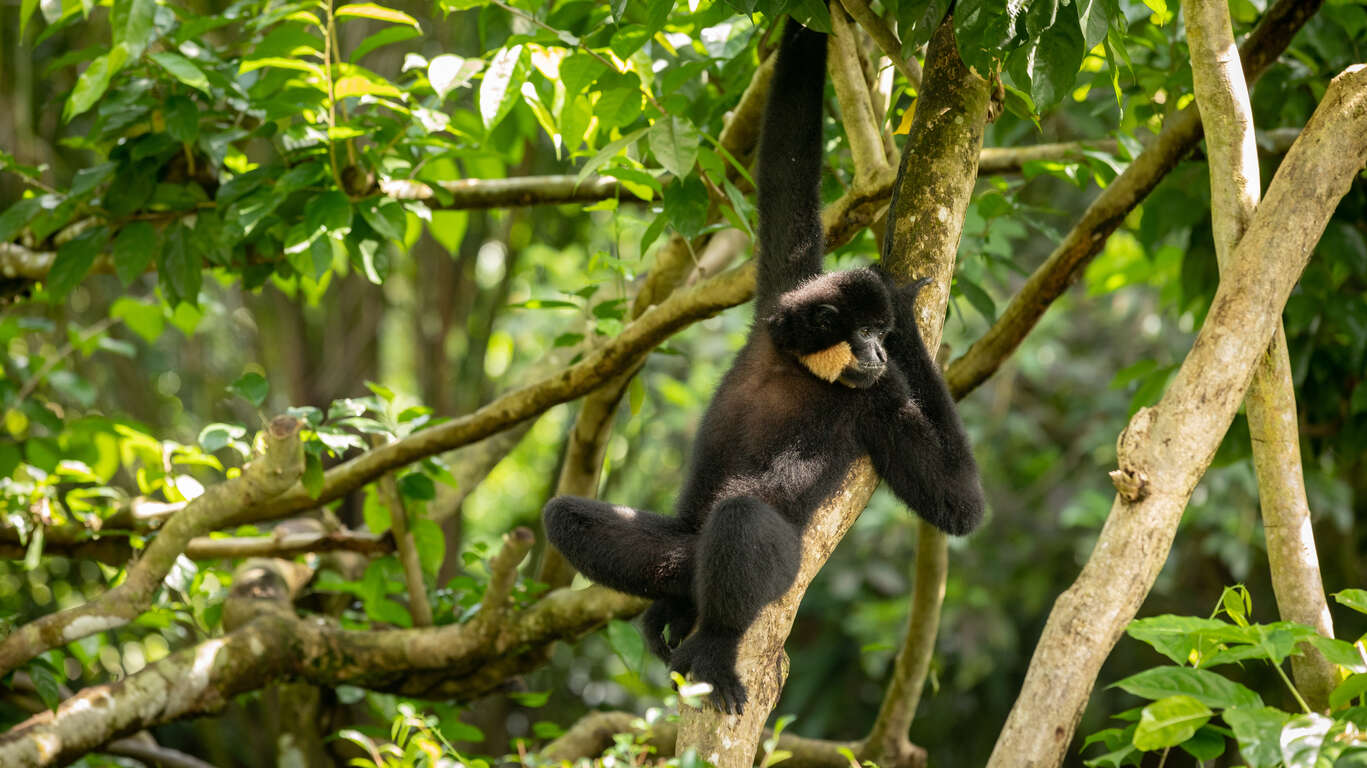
431	545
131	22
329	212
608	152
416	485
45	682
1176	637
386	217
182	118
313	477
620	102
502	84
674	140
448	228
376	12
93	82
218	435
17	216
1169	722
180	269
1349	689
1206	744
1304	742
356	85
1344	654
1258	731
146	320
134	248
1205	686
252	387
685	205
977	297
1050	62
579	71
386	36
182	69
74	259
1353	598
375	514
627	643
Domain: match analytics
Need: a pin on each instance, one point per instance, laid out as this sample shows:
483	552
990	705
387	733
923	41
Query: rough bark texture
1227	115
1180	134
1165	449
934	186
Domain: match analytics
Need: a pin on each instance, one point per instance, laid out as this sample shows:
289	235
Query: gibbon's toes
728	693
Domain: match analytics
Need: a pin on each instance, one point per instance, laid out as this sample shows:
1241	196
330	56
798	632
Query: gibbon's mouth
861	376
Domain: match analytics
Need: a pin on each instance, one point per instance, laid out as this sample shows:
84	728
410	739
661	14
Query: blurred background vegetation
472	302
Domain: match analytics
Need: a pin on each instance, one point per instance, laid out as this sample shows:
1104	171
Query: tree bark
1165	449
1270	404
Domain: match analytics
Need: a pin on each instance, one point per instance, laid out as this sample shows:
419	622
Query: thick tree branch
270	643
1271	402
1165	449
1180	134
281	462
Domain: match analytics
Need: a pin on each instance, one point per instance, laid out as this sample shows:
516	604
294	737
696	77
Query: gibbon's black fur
834	368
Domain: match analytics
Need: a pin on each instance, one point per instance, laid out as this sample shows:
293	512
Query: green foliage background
220	183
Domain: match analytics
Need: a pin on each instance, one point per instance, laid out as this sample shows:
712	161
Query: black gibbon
834	368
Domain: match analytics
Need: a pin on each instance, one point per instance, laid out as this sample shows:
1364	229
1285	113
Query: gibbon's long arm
791	243
922	451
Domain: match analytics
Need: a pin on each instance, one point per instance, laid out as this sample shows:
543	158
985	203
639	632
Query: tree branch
280	463
863	131
272	644
1165	449
885	38
1180	134
1271	402
407	547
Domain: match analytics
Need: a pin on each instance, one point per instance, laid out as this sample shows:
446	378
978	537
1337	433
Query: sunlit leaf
377	13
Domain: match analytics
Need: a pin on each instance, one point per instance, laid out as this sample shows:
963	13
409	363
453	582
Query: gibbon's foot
677	615
711	658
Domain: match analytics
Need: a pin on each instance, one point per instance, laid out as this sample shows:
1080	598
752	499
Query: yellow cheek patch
829	362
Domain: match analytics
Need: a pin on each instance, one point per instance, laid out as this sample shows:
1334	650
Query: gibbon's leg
678	615
748	556
630	550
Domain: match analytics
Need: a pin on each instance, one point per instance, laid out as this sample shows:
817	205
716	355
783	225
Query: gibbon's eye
866	332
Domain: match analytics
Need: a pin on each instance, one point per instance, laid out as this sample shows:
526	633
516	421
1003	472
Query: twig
886	39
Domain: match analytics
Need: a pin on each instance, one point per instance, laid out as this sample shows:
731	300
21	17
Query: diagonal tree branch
1165	449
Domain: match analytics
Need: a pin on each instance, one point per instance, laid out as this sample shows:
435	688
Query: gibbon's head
834	326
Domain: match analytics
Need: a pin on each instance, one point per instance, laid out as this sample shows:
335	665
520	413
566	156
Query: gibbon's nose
881	354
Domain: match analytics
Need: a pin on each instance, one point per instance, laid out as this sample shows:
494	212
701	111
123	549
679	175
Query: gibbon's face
835	324
856	362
